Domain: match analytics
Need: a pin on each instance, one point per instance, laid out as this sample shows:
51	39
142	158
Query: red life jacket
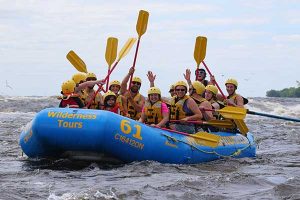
71	101
115	109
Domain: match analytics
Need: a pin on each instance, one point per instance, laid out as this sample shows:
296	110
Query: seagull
6	84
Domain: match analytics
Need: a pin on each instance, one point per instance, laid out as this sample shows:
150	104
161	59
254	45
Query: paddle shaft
193	122
107	82
134	60
100	86
215	80
186	134
272	116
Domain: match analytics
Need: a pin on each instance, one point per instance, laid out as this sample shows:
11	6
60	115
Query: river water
273	174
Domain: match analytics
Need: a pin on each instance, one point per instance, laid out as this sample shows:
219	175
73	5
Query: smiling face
172	92
208	95
115	88
230	88
180	91
153	98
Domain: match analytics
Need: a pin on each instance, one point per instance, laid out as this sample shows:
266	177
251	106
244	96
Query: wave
277	106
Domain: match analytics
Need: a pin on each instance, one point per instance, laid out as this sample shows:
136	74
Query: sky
256	42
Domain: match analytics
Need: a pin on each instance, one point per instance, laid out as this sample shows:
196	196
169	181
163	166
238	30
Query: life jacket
198	100
83	95
121	107
245	101
96	101
177	111
153	112
115	109
71	100
131	111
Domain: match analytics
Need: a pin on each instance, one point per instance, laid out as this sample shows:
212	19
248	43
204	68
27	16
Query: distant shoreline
292	92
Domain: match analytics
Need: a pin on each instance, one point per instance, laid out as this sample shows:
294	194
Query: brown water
273	174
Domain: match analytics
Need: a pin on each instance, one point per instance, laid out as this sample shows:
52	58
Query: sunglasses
91	79
178	90
136	83
111	99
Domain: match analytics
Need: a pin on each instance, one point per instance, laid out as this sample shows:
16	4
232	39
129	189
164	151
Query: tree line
286	92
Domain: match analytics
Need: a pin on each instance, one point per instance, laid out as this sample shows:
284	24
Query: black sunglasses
136	83
182	90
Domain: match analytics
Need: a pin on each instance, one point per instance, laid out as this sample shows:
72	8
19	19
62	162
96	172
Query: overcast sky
256	42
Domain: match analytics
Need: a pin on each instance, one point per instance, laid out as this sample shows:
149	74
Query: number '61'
126	129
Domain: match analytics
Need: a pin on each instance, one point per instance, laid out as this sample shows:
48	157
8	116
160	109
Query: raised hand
151	76
187	75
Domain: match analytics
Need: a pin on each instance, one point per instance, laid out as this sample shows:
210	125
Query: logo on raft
67	115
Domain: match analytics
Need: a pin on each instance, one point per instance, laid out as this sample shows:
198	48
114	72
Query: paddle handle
273	116
100	86
134	60
215	80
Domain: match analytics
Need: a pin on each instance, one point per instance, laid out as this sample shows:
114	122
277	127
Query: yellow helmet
68	87
180	83
91	75
109	93
78	77
115	82
154	90
212	88
199	87
137	79
232	81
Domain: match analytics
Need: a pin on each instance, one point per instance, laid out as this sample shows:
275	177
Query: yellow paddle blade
200	49
204	139
126	48
76	61
231	112
111	50
241	126
220	123
141	25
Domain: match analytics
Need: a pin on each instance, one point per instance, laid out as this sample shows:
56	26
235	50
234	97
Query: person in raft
211	92
183	108
133	101
155	112
201	76
69	98
196	91
234	99
115	87
97	101
110	102
79	78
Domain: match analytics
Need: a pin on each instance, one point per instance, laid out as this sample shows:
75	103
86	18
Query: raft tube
101	135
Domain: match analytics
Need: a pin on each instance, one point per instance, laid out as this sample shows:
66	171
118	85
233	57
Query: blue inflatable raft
105	136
